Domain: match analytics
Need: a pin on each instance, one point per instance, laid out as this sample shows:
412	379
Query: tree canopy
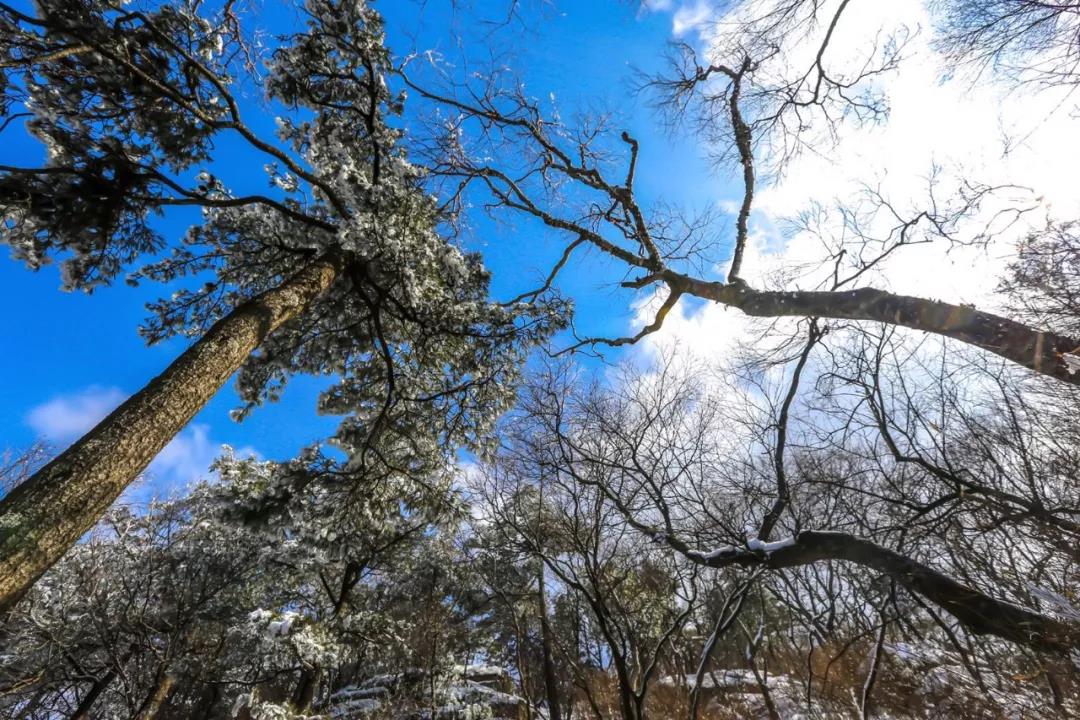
863	502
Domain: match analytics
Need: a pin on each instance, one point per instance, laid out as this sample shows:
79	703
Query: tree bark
47	514
83	710
551	683
304	694
156	700
978	612
1034	349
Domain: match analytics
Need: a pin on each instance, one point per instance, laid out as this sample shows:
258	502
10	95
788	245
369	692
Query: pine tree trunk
47	514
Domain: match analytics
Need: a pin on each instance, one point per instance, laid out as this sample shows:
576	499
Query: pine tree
339	271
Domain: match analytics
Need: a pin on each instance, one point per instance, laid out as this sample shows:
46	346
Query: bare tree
652	449
576	177
1028	41
639	603
17	465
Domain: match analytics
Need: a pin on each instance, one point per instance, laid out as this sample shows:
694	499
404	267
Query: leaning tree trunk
155	702
83	710
977	611
1045	352
304	694
45	515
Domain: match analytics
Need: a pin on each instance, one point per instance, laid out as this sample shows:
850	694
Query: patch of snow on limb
771	547
471	670
1072	362
719	552
282	626
259	615
470	692
753	544
757	545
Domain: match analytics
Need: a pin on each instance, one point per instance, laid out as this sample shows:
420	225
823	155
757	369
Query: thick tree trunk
156	700
304	694
1036	350
551	683
83	710
979	613
45	515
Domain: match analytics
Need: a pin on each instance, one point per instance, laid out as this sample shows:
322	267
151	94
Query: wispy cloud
186	459
687	17
691	18
66	417
949	126
656	5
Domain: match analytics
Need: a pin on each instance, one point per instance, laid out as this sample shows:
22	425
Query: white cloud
186	459
66	417
648	6
710	331
953	125
691	18
687	17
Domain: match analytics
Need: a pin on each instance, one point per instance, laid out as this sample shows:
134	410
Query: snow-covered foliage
463	692
264	592
277	577
132	103
842	519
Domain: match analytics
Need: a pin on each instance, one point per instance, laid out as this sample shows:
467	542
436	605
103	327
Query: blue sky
67	358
